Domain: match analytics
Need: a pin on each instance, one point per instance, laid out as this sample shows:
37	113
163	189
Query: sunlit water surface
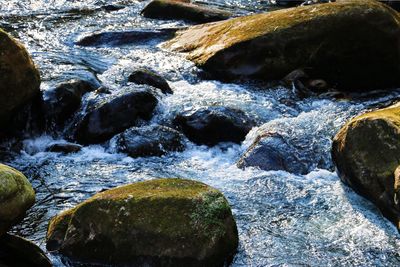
283	219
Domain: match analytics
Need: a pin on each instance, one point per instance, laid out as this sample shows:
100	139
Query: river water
283	219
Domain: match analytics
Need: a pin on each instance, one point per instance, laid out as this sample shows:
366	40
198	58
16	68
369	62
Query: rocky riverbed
152	138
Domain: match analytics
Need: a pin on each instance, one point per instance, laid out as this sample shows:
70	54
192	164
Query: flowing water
283	219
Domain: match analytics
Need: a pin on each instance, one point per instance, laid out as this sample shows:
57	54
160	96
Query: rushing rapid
283	219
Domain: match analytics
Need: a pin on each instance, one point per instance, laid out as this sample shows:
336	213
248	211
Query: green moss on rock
16	196
19	78
366	152
160	222
353	45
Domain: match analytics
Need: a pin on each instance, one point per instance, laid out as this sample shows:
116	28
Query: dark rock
149	141
63	101
146	76
167	9
112	7
64	148
115	116
271	151
366	153
16	251
212	125
352	45
162	222
112	39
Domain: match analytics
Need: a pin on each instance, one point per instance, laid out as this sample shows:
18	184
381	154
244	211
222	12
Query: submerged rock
16	251
271	151
62	102
352	45
366	153
149	141
163	222
212	125
115	116
125	38
149	77
169	9
64	148
16	196
19	78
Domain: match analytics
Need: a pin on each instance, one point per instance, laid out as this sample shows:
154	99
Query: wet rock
112	39
167	9
115	116
62	102
352	45
149	141
149	77
16	196
112	7
16	251
271	151
212	125
366	153
19	78
64	148
163	222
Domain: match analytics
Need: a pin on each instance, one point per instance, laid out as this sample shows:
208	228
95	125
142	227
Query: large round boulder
16	196
19	78
212	125
366	153
350	44
163	222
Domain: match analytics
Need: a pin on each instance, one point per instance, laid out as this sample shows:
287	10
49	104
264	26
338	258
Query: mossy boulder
163	222
16	196
19	78
366	153
352	45
170	9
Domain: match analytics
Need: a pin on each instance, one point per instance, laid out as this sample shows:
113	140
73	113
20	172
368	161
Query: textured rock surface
163	222
16	196
19	78
352	45
366	152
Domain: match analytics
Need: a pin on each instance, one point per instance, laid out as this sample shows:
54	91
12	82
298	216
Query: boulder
366	153
212	125
149	141
16	251
351	45
60	103
115	116
163	222
169	9
16	196
149	77
64	147
19	78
